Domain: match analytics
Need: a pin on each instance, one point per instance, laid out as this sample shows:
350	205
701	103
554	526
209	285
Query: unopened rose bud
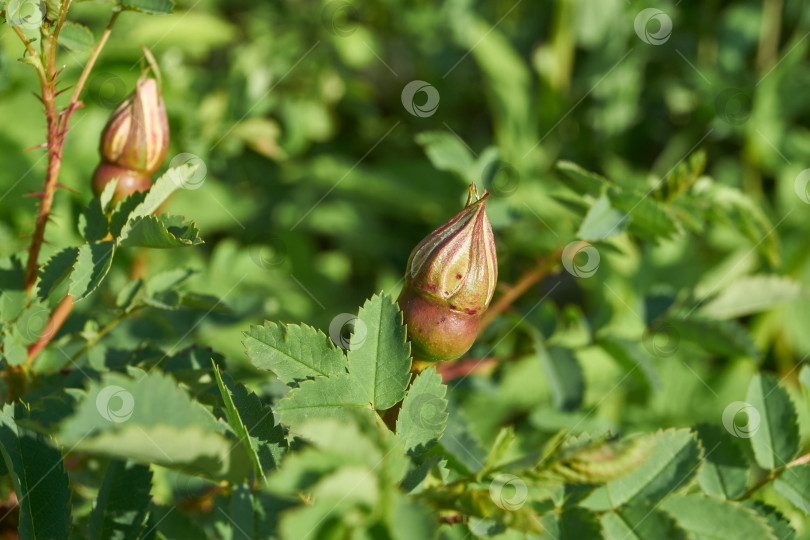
449	283
135	141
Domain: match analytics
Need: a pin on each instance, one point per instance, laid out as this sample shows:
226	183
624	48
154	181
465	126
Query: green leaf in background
725	471
804	379
672	466
54	272
572	524
153	7
752	294
123	501
162	289
648	218
238	427
423	416
322	398
794	483
634	360
562	370
705	518
293	352
776	440
38	475
76	37
720	337
161	232
149	419
602	221
447	153
92	265
381	363
12	287
583	181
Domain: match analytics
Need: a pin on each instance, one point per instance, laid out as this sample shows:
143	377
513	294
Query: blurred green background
319	180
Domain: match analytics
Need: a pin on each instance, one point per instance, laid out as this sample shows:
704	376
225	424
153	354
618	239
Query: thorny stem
57	129
55	322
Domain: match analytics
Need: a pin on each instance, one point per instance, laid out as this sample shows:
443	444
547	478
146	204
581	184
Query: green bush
191	362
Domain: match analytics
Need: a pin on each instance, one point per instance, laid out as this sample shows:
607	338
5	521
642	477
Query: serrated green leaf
241	513
123	502
602	221
58	268
777	522
776	440
381	364
747	217
672	466
794	483
161	289
752	294
15	351
152	7
136	206
238	427
265	434
640	523
423	416
92	265
583	181
447	153
323	398
161	232
725	471
149	419
38	475
93	222
76	37
706	518
293	352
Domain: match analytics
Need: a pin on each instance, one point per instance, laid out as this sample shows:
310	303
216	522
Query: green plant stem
101	333
543	268
773	475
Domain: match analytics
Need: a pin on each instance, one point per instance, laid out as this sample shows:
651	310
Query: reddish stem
55	322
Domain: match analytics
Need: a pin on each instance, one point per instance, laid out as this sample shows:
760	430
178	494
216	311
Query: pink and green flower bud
449	283
135	141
